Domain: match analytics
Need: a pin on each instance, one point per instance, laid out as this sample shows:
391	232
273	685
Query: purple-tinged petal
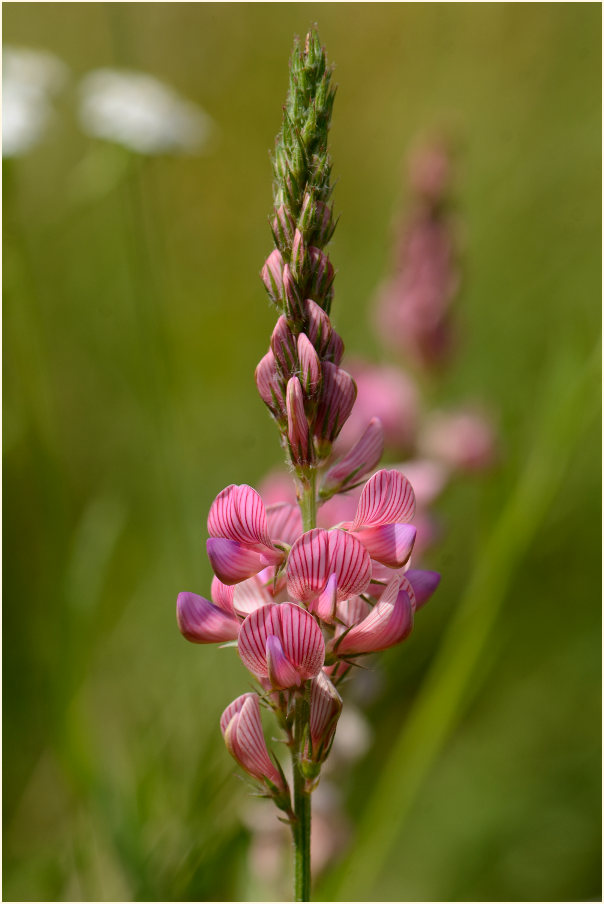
200	621
424	584
351	563
298	432
250	595
337	398
281	672
238	513
283	344
389	622
325	604
231	561
222	595
241	727
321	274
298	632
272	276
390	544
334	350
362	458
310	366
319	328
325	709
270	386
284	522
387	498
307	565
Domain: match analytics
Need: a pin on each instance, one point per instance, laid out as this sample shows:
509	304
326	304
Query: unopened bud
310	366
283	344
335	348
298	262
307	216
272	277
338	394
324	224
293	301
325	709
298	432
318	326
270	387
321	274
362	458
283	228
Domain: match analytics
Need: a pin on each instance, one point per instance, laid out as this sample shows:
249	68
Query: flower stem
308	501
302	811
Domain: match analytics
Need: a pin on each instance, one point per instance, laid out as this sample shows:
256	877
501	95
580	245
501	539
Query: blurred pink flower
388	394
464	440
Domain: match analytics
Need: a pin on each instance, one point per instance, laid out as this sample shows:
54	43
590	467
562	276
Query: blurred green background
133	320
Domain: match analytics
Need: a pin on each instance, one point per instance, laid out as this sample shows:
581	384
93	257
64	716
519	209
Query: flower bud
325	709
337	398
283	344
307	216
298	262
283	227
272	277
310	366
298	432
321	274
270	387
362	458
241	727
323	223
335	348
294	309
318	326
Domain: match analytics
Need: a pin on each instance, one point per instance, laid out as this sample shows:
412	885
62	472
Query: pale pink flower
388	623
241	727
362	458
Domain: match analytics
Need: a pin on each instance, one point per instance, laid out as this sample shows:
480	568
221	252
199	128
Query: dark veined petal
238	513
300	636
387	498
362	458
389	622
241	727
284	522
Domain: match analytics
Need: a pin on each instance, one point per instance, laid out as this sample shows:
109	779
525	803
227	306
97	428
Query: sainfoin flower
241	727
282	642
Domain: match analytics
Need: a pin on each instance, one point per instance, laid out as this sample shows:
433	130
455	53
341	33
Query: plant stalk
302	810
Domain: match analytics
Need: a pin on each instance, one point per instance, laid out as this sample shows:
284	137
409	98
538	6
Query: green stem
301	825
308	501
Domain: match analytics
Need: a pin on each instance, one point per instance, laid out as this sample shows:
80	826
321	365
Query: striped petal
241	727
222	595
362	458
284	522
319	327
231	561
310	366
270	387
352	611
300	636
325	605
390	544
283	345
389	622
337	398
298	432
317	555
281	672
325	709
424	584
250	595
238	513
387	498
200	621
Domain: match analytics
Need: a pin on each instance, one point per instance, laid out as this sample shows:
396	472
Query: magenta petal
362	458
202	622
222	595
387	498
390	544
270	387
284	522
325	708
281	672
335	404
389	622
231	561
325	604
241	727
307	565
299	633
310	366
238	513
424	584
349	559
250	595
319	327
298	432
283	344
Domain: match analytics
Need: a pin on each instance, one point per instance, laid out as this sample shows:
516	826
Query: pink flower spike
310	366
222	596
389	622
281	672
325	604
241	727
362	458
424	584
390	544
231	561
200	621
387	498
337	398
325	709
296	629
298	433
272	276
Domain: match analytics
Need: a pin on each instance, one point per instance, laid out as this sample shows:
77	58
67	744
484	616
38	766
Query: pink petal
387	498
335	348
238	513
337	398
270	386
222	595
231	561
325	708
283	344
389	622
325	605
362	458
298	432
319	327
284	522
299	633
350	561
272	276
202	622
250	595
352	611
307	565
310	366
241	726
390	544
424	584
281	672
